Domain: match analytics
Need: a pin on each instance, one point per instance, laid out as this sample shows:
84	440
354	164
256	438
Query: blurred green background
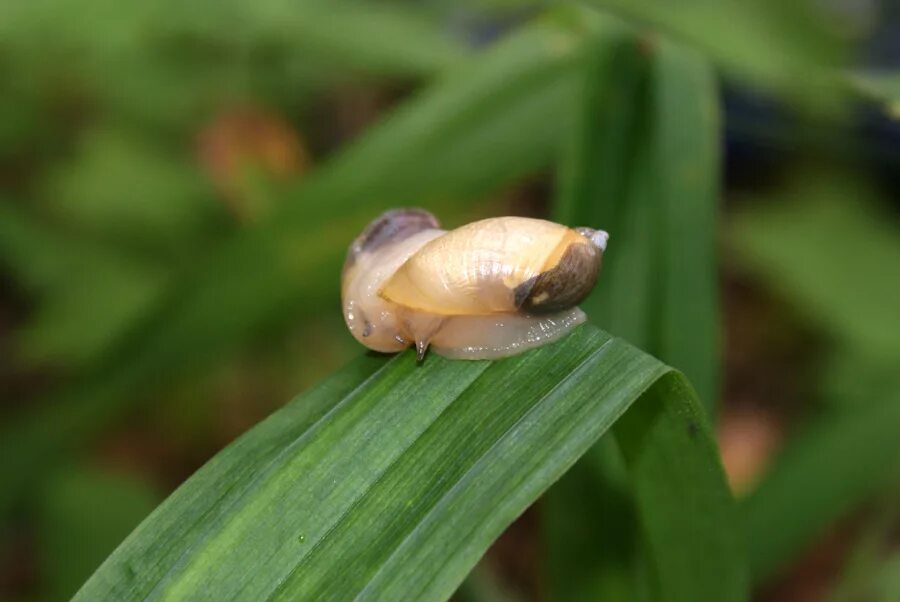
179	182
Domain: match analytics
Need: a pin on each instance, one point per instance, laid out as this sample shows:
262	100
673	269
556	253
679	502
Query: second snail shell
489	289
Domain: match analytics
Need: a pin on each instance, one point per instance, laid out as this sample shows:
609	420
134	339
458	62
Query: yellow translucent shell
475	269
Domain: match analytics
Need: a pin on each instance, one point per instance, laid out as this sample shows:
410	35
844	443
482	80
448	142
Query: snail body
488	289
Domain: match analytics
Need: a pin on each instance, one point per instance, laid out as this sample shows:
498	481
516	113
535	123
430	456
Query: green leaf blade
642	164
687	163
391	479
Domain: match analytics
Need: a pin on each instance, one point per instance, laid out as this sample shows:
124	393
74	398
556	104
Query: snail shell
488	289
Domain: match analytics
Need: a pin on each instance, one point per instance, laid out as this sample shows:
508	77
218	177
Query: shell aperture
489	289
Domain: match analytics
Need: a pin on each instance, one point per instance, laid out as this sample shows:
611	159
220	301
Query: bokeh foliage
148	265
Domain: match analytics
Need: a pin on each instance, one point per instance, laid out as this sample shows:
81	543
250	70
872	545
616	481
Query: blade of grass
390	480
883	87
593	179
496	118
687	166
146	61
589	519
827	256
378	38
493	120
591	535
783	46
69	275
644	166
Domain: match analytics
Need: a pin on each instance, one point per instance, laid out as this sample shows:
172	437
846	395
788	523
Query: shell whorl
390	227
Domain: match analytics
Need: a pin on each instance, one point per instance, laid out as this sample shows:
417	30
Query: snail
486	290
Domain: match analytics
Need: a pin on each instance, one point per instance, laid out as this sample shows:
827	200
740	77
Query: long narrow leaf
782	45
883	86
589	520
850	450
824	248
687	188
391	479
644	166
